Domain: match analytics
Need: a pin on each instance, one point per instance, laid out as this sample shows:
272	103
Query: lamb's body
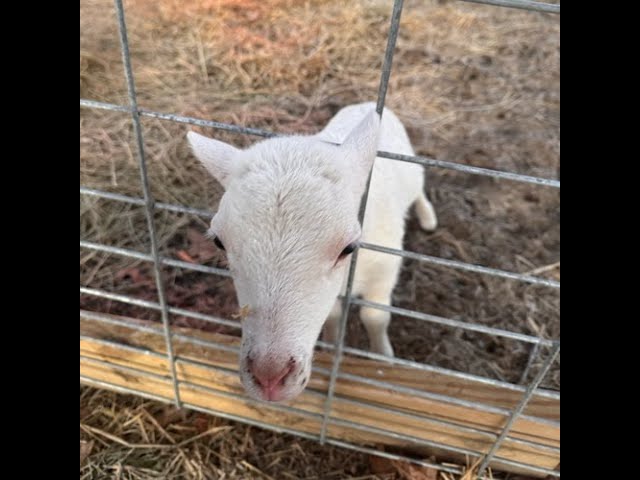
288	221
395	186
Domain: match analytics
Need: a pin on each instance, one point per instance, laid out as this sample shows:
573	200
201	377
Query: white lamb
288	221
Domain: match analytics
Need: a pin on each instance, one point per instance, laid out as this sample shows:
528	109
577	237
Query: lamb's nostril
271	377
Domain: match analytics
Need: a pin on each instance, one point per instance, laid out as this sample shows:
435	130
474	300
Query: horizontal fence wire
444	371
334	421
170	262
298	411
449	322
528	391
482	407
214	345
473	327
352	351
521	4
171	207
428	162
108	319
445	262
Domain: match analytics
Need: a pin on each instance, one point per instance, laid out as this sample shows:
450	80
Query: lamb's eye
348	250
218	243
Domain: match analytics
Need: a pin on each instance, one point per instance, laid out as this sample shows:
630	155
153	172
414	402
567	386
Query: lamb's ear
361	147
217	157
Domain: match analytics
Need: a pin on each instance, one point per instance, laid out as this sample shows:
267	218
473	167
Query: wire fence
326	418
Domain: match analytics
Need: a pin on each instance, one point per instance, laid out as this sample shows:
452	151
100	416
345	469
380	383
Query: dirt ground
474	84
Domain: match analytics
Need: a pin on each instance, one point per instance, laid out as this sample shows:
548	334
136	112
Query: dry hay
131	438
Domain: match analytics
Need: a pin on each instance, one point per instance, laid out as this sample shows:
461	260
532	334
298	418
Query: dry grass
130	438
474	84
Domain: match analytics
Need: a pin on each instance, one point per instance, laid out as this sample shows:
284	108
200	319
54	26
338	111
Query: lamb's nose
271	375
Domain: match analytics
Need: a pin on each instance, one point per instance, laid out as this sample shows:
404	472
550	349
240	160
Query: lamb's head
288	221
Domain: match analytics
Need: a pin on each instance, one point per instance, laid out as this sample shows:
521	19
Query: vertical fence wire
533	355
148	197
346	304
519	408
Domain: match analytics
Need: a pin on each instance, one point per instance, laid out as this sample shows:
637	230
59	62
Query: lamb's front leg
378	289
376	323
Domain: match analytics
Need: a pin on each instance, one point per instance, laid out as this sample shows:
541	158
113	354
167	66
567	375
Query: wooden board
210	381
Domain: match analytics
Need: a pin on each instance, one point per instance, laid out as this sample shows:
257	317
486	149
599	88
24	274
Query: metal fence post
382	92
148	198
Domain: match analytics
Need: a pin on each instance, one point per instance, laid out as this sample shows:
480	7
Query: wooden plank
426	426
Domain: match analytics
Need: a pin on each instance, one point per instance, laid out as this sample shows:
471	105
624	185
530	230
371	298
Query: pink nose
270	376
